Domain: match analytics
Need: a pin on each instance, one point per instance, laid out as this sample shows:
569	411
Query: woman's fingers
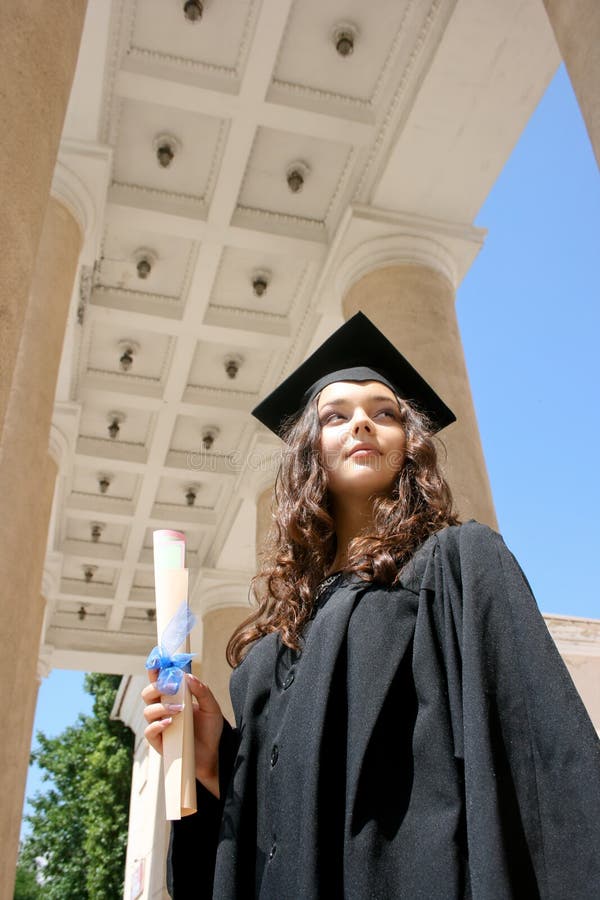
150	694
153	712
204	695
154	733
159	713
159	716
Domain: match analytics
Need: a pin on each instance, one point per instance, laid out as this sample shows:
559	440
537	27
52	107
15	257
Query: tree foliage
26	885
79	824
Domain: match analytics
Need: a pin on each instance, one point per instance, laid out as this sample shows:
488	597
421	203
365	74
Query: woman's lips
364	450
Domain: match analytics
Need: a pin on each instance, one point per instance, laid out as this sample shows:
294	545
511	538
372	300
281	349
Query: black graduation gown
429	744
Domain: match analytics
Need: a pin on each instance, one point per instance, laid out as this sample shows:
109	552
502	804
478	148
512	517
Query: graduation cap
358	351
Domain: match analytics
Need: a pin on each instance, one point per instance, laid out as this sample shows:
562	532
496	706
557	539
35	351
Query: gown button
272	851
274	755
288	681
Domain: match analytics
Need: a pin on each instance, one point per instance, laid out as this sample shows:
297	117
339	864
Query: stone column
38	52
27	479
220	622
264	505
576	25
414	306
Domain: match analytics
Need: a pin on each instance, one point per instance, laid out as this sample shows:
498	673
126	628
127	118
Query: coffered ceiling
208	277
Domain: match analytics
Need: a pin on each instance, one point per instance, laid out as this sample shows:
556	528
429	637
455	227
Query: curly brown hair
301	543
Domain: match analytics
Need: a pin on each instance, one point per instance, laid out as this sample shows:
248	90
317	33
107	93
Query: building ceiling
204	280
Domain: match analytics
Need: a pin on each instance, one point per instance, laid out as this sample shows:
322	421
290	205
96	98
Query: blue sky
529	314
530	319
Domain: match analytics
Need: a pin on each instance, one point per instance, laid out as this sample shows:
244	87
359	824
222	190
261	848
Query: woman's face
363	444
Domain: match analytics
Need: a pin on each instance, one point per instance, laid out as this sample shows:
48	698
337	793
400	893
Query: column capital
216	588
51	576
80	183
262	464
224	596
265	480
44	662
372	238
63	432
64	428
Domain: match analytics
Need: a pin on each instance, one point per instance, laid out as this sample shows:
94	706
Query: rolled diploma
171	586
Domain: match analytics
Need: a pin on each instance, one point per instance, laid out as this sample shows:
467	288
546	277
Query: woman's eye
332	417
387	412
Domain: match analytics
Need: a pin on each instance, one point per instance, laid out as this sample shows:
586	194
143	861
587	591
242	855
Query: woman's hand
208	726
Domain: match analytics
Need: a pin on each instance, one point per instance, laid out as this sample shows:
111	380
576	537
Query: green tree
79	824
26	886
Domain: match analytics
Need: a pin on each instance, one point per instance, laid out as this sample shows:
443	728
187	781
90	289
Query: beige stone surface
22	613
219	625
576	25
27	478
585	672
264	520
414	306
38	51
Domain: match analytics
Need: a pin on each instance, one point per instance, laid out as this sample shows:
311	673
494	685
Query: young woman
405	727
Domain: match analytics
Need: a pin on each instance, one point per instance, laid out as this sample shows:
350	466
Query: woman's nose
360	421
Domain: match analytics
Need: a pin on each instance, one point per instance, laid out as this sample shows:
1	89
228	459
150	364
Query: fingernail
166	721
193	678
174	707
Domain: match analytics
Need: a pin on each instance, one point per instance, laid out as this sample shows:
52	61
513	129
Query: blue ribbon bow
163	657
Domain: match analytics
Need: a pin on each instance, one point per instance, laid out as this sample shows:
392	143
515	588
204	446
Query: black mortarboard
358	351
